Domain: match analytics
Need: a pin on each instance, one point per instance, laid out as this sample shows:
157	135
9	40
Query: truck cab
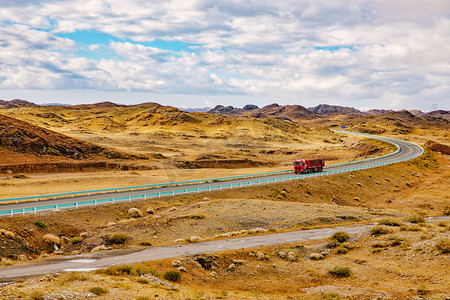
299	166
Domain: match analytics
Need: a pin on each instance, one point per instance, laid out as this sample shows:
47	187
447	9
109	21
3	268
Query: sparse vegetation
40	224
340	236
390	222
76	240
305	204
340	271
118	238
422	290
37	295
414	218
135	212
7	234
133	270
379	230
172	275
443	245
51	239
98	290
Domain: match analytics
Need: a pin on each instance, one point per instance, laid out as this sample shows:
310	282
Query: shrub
316	256
379	230
442	224
142	280
51	239
197	217
331	296
414	218
37	295
118	238
340	271
389	222
135	212
40	224
76	240
332	244
341	250
135	270
443	245
7	234
172	275
141	269
98	290
340	236
410	228
422	290
148	244
74	276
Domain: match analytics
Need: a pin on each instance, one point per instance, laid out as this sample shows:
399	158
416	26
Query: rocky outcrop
70	167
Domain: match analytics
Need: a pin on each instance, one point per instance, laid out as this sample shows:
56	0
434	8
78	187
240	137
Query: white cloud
394	52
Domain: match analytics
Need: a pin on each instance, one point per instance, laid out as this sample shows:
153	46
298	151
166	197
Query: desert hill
15	103
376	112
403	122
325	109
231	110
166	121
287	112
443	114
22	137
276	111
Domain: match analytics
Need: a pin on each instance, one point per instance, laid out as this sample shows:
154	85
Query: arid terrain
50	149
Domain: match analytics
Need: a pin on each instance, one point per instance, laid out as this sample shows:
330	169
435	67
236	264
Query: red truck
308	166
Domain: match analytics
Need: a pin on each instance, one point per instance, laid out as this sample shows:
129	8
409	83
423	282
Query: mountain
376	112
286	112
402	122
231	110
443	114
15	103
325	109
22	137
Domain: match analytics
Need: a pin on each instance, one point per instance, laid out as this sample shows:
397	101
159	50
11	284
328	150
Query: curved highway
406	150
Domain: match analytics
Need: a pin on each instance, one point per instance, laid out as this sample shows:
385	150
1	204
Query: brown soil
444	149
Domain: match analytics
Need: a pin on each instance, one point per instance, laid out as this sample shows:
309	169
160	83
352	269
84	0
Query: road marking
82	260
80	270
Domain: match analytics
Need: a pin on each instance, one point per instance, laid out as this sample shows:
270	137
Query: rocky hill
376	112
287	112
325	109
231	110
403	122
15	103
23	137
443	114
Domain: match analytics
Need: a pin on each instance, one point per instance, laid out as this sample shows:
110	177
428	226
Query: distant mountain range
284	112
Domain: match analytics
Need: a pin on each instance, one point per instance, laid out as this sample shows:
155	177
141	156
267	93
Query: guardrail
35	210
169	184
38	209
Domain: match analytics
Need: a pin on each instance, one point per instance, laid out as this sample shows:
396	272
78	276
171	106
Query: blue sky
197	53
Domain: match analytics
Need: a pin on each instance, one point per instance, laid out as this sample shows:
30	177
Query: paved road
407	150
92	261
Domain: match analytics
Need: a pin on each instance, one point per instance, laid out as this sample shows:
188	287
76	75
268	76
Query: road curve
97	260
406	150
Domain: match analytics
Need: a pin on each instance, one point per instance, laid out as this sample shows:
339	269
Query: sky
389	54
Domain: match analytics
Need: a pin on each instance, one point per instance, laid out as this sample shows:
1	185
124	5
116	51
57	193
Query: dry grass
277	278
7	234
52	239
359	197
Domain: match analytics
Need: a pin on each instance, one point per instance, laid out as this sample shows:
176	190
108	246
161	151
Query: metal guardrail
169	184
35	210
